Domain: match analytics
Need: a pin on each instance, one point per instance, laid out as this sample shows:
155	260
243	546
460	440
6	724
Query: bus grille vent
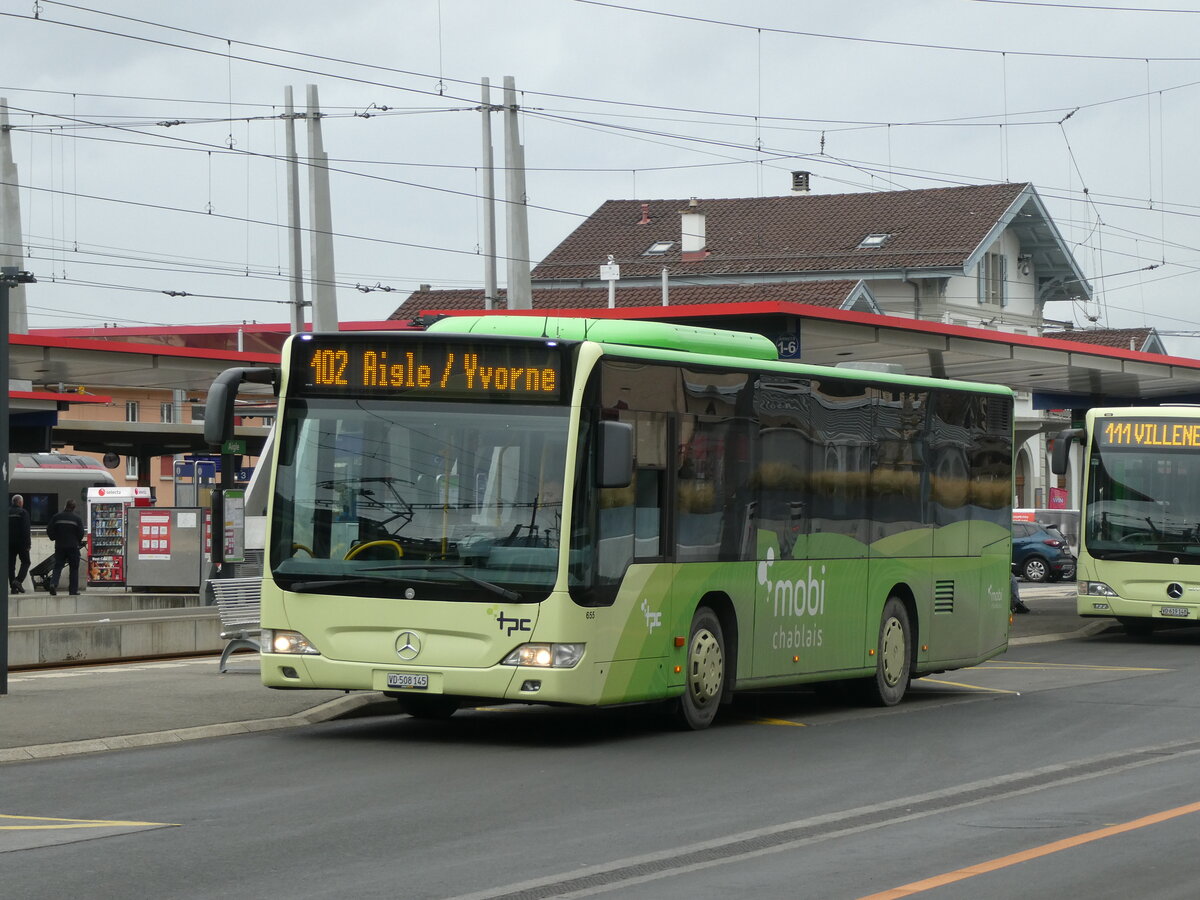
943	597
999	415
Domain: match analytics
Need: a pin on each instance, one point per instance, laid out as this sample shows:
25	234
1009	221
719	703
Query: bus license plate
1176	612
404	680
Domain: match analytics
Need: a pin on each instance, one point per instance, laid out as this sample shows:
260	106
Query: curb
1087	630
331	709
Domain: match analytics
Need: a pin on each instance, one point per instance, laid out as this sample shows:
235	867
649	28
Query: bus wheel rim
891	651
706	667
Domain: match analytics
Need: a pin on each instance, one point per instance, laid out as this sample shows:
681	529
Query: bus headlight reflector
1096	589
276	640
545	656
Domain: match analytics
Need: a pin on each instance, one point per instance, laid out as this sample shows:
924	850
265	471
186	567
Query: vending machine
106	531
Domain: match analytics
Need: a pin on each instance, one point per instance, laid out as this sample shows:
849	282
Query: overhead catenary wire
868	171
918	45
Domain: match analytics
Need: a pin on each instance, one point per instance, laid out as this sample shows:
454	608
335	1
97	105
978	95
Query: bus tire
704	672
893	656
432	706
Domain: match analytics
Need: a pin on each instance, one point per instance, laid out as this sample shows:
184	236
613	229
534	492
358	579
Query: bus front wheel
893	656
704	671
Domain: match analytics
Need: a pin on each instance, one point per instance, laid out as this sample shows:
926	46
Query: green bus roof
658	335
659	340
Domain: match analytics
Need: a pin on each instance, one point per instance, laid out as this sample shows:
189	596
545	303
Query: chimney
692	230
424	288
645	214
800	182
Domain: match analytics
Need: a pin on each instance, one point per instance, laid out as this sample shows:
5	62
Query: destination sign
1160	434
432	370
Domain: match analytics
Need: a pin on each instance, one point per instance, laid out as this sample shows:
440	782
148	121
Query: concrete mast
324	291
489	202
520	291
295	235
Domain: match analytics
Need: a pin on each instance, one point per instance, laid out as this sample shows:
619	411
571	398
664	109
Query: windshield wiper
511	596
308	587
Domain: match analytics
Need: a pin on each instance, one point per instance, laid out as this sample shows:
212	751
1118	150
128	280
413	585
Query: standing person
1015	603
18	544
66	530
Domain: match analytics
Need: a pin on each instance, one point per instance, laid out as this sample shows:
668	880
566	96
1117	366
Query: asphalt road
1063	769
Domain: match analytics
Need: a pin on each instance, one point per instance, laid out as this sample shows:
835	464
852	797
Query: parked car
1041	553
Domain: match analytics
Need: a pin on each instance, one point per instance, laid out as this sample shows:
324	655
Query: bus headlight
276	640
545	656
1096	589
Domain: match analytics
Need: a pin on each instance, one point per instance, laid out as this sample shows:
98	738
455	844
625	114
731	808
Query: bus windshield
385	498
1143	504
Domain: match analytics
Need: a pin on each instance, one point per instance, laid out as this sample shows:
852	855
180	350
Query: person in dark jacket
66	530
18	544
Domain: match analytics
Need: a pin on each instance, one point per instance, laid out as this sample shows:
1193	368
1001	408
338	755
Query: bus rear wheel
432	706
704	672
893	657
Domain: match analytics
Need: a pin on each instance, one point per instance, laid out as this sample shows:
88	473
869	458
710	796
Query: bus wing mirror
218	409
616	455
1062	448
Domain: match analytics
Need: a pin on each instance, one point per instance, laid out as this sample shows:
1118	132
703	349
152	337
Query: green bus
573	511
1139	542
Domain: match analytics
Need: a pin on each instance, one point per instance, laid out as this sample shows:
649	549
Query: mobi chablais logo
802	598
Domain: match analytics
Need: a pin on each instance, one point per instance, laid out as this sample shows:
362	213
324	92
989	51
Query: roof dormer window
658	248
872	241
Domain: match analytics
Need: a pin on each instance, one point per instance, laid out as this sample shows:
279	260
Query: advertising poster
154	537
235	526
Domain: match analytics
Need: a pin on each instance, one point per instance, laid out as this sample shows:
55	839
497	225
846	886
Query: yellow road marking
972	687
992	865
1035	666
75	823
768	721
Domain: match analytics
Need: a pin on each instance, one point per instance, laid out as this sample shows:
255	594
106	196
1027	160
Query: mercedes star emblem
1174	590
408	645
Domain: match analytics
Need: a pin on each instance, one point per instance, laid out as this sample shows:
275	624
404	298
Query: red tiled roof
932	228
814	293
1124	338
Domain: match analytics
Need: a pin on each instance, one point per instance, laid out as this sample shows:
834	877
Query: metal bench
238	606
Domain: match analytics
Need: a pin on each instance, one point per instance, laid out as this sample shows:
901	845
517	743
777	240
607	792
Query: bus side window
649	482
614	547
699	510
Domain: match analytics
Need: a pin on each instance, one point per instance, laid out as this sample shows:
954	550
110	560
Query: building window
992	280
131	466
131	410
166	412
872	241
658	248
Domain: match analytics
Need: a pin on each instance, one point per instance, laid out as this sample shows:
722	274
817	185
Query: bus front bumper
577	685
1095	602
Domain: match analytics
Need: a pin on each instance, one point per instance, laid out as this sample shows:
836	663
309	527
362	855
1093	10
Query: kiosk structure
106	531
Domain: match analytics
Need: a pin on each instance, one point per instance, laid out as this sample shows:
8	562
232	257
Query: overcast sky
644	99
